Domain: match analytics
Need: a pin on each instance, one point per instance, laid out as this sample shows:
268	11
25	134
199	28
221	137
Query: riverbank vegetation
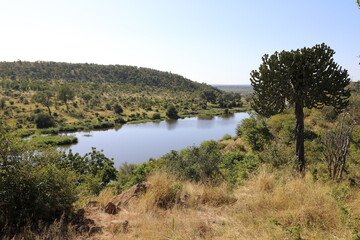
73	97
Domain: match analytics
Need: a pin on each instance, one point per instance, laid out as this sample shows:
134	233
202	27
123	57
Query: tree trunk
299	137
49	110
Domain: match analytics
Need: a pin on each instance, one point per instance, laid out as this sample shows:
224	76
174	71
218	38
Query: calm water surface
136	143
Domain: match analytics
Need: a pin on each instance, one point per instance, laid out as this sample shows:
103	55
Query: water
136	143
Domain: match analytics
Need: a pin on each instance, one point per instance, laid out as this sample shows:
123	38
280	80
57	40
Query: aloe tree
306	77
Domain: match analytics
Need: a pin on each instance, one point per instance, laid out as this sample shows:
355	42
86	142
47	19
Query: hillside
38	75
101	95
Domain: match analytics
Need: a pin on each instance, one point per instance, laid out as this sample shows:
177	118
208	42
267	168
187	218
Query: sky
215	42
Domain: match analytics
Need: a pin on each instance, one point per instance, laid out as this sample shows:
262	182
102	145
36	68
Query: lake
136	143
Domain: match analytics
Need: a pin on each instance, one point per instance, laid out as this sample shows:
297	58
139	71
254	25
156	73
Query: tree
256	134
118	109
208	96
306	77
42	120
171	112
44	98
65	94
2	103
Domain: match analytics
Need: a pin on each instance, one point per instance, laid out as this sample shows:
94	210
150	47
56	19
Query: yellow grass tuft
105	196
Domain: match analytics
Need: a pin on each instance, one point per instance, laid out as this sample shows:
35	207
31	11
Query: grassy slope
141	92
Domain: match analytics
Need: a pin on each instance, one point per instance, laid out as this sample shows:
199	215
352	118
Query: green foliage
226	137
16	74
53	140
2	102
120	120
237	166
43	120
256	134
156	116
118	109
199	164
300	78
131	174
65	94
32	186
171	112
93	164
44	98
208	96
229	100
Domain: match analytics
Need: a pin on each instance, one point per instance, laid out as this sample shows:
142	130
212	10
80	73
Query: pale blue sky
217	42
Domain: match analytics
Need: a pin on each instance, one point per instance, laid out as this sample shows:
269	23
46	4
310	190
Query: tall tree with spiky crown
306	77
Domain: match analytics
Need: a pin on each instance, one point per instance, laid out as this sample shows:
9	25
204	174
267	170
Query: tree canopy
306	77
65	94
44	98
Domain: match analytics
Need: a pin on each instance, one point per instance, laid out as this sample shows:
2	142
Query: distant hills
37	75
243	89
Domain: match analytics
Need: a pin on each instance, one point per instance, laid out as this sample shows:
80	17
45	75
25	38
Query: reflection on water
205	117
136	143
171	124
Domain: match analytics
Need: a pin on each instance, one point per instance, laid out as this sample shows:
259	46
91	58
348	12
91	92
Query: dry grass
105	196
268	206
271	205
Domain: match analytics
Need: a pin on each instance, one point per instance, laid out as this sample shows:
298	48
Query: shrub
237	166
43	120
199	164
95	164
171	112
118	109
120	120
32	186
156	116
226	137
256	134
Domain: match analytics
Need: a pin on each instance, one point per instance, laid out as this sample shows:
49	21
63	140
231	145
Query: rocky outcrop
110	208
124	198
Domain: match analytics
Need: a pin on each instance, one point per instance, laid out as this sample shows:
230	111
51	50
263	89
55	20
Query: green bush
156	116
43	120
237	166
32	186
171	112
199	164
226	137
257	134
118	109
94	164
120	120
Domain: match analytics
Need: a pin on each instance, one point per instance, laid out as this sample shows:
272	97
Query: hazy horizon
206	41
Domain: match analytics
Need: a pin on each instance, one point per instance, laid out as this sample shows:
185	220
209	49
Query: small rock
82	228
88	221
119	226
110	208
92	204
135	191
94	230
